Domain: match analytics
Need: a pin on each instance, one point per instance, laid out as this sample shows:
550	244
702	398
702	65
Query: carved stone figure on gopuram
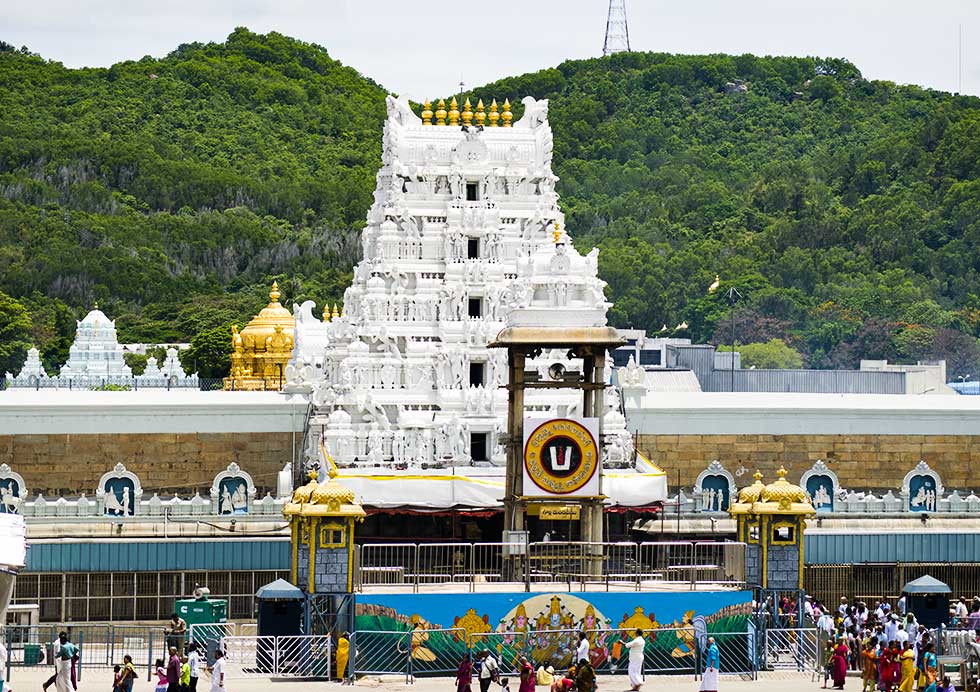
465	227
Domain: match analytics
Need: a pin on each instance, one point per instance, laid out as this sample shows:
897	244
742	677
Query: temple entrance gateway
554	465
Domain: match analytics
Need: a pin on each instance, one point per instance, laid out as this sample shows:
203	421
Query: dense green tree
773	354
209	354
15	334
173	190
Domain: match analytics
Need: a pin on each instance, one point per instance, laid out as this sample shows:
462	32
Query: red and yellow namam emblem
561	456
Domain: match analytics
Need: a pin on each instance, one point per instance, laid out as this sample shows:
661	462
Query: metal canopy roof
926	585
279	590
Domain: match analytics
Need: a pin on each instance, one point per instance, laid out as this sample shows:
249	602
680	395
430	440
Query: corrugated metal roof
671	381
856	548
815	381
158	556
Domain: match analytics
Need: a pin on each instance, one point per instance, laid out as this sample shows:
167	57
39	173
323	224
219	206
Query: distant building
668	362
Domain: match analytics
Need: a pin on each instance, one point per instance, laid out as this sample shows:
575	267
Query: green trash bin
32	654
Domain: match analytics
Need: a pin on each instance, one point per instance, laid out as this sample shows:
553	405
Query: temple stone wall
862	462
166	463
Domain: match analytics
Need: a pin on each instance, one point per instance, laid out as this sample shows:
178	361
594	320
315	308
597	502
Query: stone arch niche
921	489
714	489
821	484
232	491
119	493
13	491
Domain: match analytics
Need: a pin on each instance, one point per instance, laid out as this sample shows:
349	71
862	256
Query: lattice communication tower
617	31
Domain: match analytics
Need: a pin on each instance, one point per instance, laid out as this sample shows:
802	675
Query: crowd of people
893	652
580	676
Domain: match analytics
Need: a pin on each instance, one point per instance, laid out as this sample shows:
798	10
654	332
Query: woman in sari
869	674
343	653
464	674
838	664
908	668
931	667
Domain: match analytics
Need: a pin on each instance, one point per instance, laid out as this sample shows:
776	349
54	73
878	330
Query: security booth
280	611
928	599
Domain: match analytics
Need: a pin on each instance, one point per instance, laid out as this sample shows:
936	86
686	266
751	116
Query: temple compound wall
174	441
64	464
870	441
862	462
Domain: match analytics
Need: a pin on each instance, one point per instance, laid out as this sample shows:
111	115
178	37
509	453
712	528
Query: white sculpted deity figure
424	446
375	444
559	294
560	263
821	498
444	370
492	243
632	375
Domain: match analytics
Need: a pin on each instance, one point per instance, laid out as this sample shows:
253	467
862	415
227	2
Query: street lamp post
733	296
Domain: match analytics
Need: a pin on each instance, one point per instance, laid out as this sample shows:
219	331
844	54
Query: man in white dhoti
636	647
66	653
712	664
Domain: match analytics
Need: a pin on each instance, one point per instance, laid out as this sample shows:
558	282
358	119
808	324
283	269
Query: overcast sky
423	48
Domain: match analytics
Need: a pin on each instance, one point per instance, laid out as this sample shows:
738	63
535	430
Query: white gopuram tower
403	380
96	356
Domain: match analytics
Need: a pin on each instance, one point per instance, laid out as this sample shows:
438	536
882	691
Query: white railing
623	565
300	656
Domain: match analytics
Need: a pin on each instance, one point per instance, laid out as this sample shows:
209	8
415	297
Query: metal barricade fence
722	563
505	647
495	562
301	656
620	562
667	561
248	629
439	563
738	651
412	653
100	645
388	564
304	656
394	565
249	656
791	649
564	560
202	633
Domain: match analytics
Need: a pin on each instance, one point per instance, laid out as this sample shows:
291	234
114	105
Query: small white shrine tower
96	352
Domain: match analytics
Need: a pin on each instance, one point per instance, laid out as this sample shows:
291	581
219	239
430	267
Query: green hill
846	211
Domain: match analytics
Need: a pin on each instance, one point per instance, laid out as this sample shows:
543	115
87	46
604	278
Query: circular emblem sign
561	456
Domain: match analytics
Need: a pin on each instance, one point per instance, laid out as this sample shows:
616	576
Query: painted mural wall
434	630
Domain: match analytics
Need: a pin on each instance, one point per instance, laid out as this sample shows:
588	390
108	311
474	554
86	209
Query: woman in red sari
890	667
464	674
838	664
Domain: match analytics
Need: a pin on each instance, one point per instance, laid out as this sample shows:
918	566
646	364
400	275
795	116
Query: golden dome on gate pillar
783	493
330	499
753	492
262	349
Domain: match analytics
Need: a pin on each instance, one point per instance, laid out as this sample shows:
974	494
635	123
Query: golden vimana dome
752	493
784	493
261	350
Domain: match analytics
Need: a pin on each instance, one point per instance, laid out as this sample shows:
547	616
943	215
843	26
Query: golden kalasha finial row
326	312
468	116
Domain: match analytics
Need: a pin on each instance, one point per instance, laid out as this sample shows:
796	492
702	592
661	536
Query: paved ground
100	680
